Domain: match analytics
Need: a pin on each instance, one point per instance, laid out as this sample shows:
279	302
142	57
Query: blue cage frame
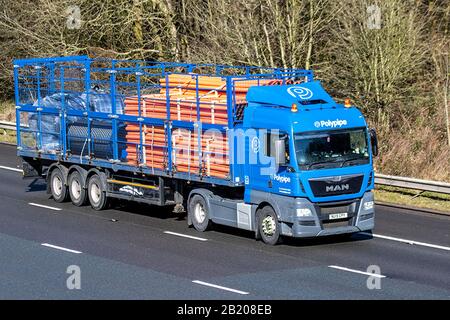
44	76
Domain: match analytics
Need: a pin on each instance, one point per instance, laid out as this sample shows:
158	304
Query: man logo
337	187
300	93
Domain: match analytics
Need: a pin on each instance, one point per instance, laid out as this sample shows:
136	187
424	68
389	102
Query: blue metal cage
53	96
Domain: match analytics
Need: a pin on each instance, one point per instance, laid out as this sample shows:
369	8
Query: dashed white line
59	248
185	236
357	271
412	242
43	206
219	287
11	169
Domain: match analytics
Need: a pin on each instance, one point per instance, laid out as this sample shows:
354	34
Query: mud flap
31	168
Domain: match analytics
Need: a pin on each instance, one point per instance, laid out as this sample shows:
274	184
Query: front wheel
268	225
198	212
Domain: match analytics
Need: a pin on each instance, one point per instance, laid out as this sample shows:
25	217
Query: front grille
332	186
324	210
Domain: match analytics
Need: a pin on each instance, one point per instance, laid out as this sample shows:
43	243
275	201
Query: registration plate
335	216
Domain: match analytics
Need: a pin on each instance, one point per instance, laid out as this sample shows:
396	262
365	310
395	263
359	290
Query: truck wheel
97	194
269	227
57	186
77	192
198	211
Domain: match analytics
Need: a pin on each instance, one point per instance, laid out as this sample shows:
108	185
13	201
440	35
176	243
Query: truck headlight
368	205
304	212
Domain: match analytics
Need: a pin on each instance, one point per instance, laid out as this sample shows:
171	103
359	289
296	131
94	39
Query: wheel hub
95	192
268	226
57	185
199	213
76	189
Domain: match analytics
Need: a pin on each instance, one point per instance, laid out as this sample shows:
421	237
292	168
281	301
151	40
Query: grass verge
8	136
410	197
7	111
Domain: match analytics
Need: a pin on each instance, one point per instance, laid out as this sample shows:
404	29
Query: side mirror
280	152
373	141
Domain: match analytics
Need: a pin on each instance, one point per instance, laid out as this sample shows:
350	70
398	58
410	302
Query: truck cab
313	163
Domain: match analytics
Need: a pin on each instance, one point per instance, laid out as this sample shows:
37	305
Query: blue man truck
260	149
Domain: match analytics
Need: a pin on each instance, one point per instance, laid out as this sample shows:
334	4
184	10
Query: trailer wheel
57	186
97	194
268	225
77	193
198	211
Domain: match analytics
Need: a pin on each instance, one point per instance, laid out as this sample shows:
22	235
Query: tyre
78	194
57	187
198	211
268	226
96	193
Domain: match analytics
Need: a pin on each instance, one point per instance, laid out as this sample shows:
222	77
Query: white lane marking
219	287
185	236
435	246
11	169
43	206
59	248
357	271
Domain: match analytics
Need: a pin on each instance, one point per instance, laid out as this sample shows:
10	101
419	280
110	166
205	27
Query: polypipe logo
330	123
281	179
300	92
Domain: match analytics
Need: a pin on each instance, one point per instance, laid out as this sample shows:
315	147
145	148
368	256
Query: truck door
262	167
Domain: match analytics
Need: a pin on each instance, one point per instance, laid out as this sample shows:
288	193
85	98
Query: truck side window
270	138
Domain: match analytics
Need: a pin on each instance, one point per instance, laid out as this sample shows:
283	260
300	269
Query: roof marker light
347	103
294	107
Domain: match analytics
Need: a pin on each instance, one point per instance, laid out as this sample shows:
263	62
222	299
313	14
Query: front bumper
361	217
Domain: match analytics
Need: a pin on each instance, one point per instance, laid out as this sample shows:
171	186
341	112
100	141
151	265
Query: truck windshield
331	149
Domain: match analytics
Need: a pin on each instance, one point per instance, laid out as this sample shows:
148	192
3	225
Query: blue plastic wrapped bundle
101	101
50	123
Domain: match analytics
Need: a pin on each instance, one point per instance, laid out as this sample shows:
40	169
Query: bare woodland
397	71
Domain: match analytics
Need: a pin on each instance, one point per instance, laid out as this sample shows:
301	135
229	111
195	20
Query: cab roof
308	94
270	107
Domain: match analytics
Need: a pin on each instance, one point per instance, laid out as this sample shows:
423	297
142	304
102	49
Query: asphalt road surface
143	252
